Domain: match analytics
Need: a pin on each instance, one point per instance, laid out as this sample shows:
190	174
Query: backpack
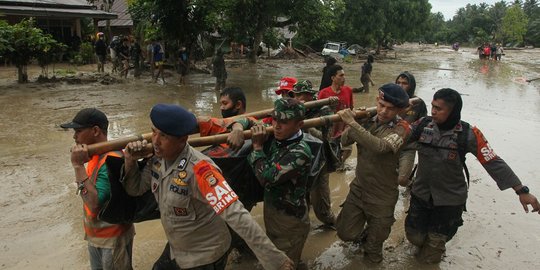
461	142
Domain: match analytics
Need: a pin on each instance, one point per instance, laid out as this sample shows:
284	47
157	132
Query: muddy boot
433	250
375	257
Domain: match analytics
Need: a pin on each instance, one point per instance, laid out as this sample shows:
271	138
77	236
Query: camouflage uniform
319	194
282	168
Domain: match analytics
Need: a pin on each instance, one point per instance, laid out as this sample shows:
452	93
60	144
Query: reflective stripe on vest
92	226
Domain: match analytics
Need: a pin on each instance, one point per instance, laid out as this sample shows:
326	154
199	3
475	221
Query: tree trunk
256	42
22	75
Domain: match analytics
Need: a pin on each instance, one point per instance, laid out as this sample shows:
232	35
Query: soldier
282	164
373	192
195	201
439	192
319	195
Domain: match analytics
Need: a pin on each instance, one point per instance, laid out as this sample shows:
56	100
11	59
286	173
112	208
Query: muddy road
41	226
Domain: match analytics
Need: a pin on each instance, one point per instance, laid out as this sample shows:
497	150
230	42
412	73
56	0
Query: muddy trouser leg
351	220
417	221
320	199
379	223
438	225
288	233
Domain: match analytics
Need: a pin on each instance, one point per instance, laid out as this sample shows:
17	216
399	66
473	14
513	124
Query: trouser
288	233
354	216
118	257
430	227
320	199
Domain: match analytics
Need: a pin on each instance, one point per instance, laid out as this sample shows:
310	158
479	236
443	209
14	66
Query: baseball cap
285	85
88	117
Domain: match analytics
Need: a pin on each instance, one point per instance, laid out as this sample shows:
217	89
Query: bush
85	54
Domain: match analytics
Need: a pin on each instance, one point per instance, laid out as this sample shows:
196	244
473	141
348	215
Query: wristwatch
523	190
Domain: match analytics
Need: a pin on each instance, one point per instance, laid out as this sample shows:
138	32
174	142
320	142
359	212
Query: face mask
229	113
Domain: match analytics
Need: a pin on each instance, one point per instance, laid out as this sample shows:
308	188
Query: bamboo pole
119	144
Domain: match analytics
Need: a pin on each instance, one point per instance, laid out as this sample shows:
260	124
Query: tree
22	42
515	24
532	10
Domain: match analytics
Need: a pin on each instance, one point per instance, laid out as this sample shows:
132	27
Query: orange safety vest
92	225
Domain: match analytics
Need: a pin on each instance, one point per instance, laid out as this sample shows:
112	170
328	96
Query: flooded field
41	224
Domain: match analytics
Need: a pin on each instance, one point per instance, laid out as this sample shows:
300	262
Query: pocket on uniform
182	210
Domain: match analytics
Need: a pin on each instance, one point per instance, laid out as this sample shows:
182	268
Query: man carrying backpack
439	193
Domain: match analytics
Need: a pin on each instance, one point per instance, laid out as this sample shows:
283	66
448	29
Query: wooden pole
117	144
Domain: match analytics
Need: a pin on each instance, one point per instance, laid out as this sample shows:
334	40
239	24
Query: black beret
394	94
173	120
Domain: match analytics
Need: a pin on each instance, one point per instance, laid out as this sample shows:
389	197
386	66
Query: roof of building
120	8
53	8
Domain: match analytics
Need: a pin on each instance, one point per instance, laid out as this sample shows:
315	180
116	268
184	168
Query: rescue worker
285	86
195	201
439	192
281	164
109	245
368	211
414	112
319	195
344	94
233	102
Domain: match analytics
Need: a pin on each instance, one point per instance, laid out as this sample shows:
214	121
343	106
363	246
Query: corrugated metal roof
53	8
120	8
55	12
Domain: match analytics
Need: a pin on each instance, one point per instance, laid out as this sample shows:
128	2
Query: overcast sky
449	7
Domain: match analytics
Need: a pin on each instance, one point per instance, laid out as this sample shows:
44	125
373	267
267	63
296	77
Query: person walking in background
365	77
100	48
325	79
218	70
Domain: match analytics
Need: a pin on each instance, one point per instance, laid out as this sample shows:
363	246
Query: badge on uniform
179	182
209	176
180	211
452	155
154	187
182	164
182	174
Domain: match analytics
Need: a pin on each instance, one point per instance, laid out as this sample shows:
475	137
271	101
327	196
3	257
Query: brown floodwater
41	226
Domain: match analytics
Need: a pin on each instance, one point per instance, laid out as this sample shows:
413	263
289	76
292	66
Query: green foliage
514	24
22	42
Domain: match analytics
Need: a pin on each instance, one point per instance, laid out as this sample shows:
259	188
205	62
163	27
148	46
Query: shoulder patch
484	152
182	164
213	186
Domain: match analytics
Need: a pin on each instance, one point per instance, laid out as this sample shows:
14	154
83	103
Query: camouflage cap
288	108
304	87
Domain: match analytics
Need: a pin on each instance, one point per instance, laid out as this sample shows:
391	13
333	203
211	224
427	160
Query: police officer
439	192
195	201
373	192
319	195
282	164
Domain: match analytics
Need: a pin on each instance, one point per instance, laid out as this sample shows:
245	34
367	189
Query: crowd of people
202	215
493	51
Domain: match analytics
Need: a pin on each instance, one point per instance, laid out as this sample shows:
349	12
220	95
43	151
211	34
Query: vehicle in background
340	49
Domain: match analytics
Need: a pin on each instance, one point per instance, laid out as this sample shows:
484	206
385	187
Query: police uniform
373	192
439	192
196	203
282	168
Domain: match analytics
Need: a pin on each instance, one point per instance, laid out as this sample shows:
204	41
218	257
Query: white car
331	48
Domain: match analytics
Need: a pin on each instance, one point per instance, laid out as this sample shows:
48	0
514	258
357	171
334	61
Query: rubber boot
433	250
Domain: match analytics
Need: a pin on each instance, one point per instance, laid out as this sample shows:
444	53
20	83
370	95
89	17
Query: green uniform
282	168
373	193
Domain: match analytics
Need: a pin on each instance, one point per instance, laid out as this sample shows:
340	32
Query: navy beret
173	120
394	94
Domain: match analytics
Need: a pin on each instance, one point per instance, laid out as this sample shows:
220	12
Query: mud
41	225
